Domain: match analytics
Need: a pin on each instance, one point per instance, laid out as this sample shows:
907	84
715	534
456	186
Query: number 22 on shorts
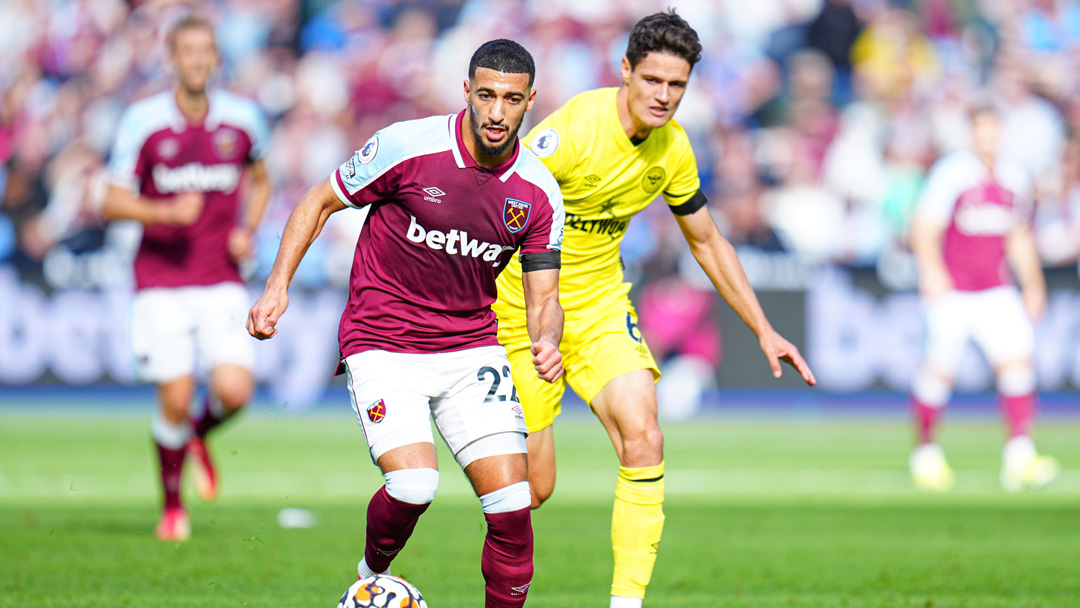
493	392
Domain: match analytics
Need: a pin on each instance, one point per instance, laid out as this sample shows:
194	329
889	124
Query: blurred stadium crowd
814	121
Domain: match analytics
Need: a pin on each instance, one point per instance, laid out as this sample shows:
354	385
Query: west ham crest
225	141
168	148
516	214
376	411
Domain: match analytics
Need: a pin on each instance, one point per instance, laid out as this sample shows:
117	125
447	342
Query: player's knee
1016	380
655	438
414	486
652	440
931	388
234	397
174	411
644	447
175	404
514	497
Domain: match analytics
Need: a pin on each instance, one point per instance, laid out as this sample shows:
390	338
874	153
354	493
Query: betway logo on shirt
984	220
456	242
196	177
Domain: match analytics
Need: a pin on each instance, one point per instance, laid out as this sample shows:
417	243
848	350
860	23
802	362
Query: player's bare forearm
1024	260
123	204
720	262
718	259
926	246
259	191
544	321
300	232
304	225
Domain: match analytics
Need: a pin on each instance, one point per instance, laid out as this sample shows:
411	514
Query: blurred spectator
814	120
834	32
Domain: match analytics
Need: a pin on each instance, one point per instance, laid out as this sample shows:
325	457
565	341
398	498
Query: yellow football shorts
600	343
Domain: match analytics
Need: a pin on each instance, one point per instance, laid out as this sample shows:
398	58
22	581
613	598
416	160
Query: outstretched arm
544	318
304	225
719	261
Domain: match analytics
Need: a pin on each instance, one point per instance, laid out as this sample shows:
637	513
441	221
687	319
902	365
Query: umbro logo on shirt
433	194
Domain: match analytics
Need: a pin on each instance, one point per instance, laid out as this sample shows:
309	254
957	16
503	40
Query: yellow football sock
637	522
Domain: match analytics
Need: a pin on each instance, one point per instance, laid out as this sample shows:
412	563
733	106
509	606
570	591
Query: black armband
689	207
545	260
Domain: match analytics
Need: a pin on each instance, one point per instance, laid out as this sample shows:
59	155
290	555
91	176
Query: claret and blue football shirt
440	230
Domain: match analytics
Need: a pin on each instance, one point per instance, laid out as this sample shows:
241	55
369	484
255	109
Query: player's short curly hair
665	32
504	56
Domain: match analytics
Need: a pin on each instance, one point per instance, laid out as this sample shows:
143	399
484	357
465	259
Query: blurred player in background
972	223
451	198
178	167
613	152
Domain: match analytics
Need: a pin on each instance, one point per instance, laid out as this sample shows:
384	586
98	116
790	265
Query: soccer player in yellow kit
613	151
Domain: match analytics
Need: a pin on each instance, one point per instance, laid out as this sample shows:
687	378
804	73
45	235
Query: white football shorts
172	327
469	393
994	318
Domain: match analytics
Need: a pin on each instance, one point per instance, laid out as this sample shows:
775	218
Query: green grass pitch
813	514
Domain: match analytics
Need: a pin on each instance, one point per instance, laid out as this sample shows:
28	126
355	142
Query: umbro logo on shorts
376	411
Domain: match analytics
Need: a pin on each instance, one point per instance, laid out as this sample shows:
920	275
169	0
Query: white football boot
929	470
1022	468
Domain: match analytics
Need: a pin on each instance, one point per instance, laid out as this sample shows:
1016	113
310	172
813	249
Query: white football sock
363	571
625	602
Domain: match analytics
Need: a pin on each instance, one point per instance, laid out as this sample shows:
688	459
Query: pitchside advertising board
856	333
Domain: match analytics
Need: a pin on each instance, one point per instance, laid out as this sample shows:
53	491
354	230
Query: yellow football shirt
605	180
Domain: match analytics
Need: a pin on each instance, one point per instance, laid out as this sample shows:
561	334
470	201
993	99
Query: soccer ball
382	591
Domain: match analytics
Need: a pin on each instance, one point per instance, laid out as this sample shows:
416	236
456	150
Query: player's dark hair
189	22
504	56
663	33
983	106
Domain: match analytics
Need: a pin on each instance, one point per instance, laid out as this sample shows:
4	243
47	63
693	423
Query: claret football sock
1016	384
507	558
170	440
172	468
390	523
926	419
930	392
213	414
1019	413
637	523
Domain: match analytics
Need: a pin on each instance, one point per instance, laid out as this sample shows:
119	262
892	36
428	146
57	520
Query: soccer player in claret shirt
451	199
613	151
179	166
974	221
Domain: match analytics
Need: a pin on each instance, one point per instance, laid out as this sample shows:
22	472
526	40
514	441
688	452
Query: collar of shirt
465	160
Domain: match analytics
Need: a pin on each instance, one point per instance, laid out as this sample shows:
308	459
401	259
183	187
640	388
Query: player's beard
478	135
